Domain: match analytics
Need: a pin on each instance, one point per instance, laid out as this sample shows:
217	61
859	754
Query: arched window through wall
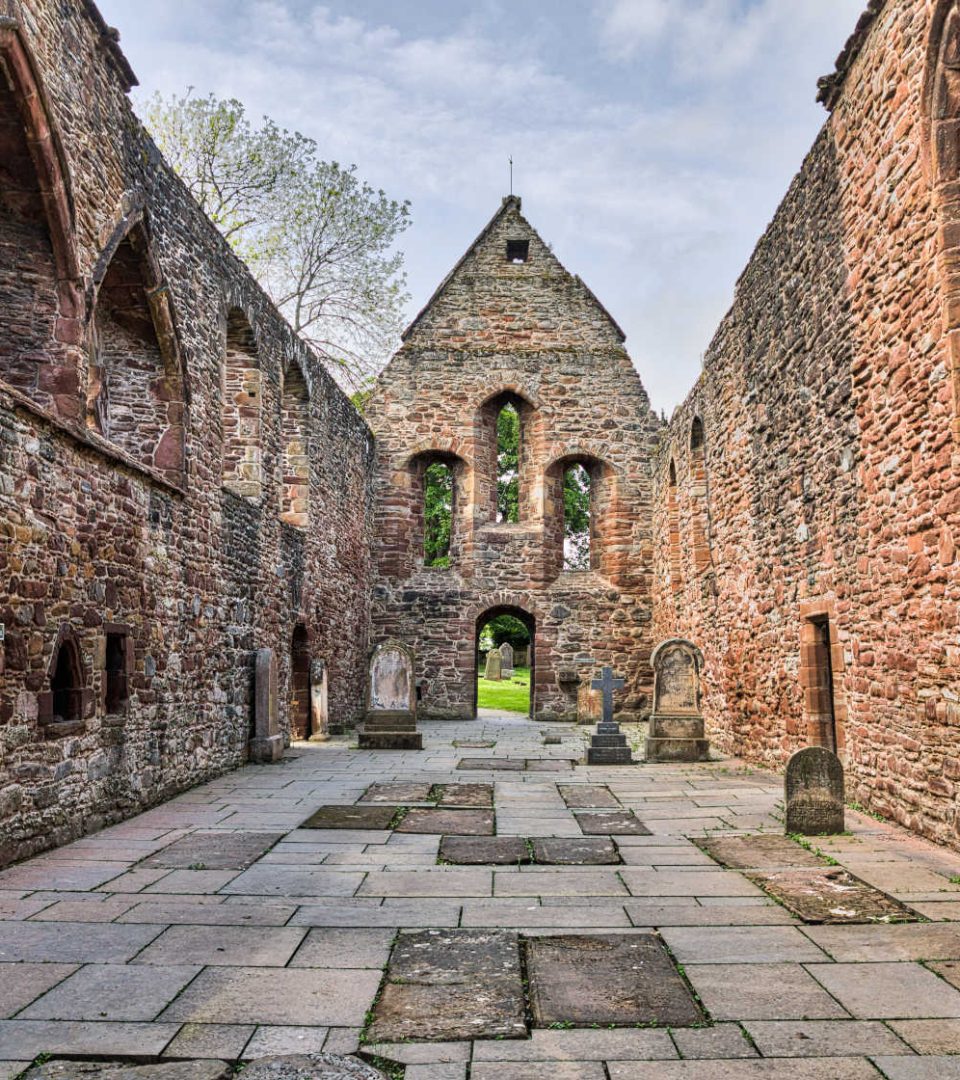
508	463
438	513
673	530
63	703
577	517
295	428
698	497
241	409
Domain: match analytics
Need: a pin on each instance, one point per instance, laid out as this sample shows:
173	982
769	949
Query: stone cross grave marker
814	792
267	744
608	746
506	660
494	668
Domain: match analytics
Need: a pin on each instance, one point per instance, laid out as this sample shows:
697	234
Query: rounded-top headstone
813	792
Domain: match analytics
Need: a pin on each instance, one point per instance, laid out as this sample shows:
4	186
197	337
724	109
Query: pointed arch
41	301
65	702
242	407
295	439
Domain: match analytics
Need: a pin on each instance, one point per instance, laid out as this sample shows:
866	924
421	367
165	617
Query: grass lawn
510	695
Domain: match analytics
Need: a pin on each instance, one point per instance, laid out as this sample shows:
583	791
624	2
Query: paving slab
448	822
741	944
471	795
549	765
918	941
396	793
171	1070
447	985
687	882
588	797
296	996
580	1044
112	992
758	852
269	880
335	947
351	817
529	914
484	850
225	1041
823	1038
22	983
929	1036
610	823
687	911
762	992
558	1070
926	1068
719	1041
665	855
888	991
224	946
850	1068
79	943
548	882
575	851
162	913
213	851
285	1039
498	764
28	1038
321	1066
621	979
439	881
830	894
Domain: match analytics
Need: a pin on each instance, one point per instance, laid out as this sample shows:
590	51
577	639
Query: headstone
814	792
267	744
521	656
319	711
506	660
608	746
676	724
589	704
494	668
391	716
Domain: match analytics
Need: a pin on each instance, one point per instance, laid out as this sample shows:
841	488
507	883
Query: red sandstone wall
91	533
832	480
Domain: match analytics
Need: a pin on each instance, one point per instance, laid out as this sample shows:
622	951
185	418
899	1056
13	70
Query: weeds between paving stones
861	809
368	1016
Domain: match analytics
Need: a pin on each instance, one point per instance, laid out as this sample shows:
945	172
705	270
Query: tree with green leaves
437	514
508	464
319	239
576	518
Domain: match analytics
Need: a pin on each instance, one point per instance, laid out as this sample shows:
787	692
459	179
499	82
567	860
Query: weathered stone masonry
523	331
155	529
830	483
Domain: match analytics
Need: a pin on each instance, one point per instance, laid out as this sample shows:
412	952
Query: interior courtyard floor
106	952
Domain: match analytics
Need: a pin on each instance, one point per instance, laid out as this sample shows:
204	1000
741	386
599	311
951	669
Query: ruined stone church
183	484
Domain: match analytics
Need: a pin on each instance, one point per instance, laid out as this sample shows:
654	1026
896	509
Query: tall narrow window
698	497
576	518
241	409
438	511
116	690
508	464
295	498
673	527
300	683
816	671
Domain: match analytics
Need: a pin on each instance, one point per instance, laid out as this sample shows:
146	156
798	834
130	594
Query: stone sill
61	728
90	440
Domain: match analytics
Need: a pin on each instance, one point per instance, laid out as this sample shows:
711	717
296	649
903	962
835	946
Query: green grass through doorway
508	695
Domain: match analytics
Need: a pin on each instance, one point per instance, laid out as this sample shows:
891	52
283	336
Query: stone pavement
215	927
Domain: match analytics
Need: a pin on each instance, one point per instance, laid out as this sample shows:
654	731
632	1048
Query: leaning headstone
608	746
267	744
319	713
391	716
814	792
494	668
676	724
506	660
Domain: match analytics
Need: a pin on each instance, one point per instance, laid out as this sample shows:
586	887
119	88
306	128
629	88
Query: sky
652	139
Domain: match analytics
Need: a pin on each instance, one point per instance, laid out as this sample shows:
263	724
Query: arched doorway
300	684
516	692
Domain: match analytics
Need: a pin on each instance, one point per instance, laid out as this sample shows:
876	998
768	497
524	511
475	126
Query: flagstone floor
254	936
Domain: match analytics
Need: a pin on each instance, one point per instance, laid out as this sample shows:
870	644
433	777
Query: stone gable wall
91	534
832	476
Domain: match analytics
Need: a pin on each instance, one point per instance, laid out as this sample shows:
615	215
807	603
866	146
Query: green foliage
576	518
508	464
319	239
437	514
503	628
508	695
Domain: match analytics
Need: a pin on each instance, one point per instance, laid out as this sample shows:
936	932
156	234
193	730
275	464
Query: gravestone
319	713
506	660
521	656
267	744
391	716
494	668
589	704
676	724
814	792
608	746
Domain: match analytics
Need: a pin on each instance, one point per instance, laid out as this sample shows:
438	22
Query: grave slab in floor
588	797
619	979
830	894
469	795
448	822
610	823
351	817
395	793
575	851
758	852
484	850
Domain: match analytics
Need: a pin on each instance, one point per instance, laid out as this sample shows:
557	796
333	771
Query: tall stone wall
530	333
147	536
829	486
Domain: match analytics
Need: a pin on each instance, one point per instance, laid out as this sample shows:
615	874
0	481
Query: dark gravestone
575	851
814	793
390	722
448	822
267	744
484	850
676	724
608	746
610	823
351	817
450	985
397	793
610	979
472	795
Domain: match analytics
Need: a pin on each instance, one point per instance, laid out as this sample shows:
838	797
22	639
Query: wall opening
438	513
817	675
508	463
674	563
295	491
116	663
698	497
577	517
241	409
518	251
515	692
300	684
63	703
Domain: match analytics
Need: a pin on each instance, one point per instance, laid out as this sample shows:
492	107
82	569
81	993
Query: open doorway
505	661
300	684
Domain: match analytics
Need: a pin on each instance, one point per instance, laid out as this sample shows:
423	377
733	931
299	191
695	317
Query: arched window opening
136	388
505	661
698	497
673	526
295	497
63	704
300	683
241	409
508	464
576	518
438	514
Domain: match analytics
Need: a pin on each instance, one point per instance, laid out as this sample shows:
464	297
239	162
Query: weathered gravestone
676	724
814	792
391	716
267	744
608	746
589	704
494	668
319	709
521	656
506	660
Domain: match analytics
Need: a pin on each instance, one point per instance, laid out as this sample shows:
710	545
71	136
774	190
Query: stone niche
391	714
267	744
676	723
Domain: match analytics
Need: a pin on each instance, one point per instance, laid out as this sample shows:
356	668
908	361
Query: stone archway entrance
524	660
300	684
